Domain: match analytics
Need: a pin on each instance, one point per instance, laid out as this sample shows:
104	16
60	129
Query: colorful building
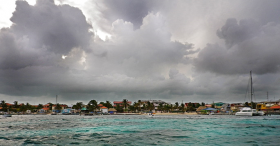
104	109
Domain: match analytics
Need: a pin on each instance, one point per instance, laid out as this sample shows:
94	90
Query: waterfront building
45	109
112	111
208	105
199	109
275	108
120	103
104	109
156	104
195	104
67	111
226	107
218	105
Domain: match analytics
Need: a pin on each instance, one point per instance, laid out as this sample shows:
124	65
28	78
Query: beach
174	114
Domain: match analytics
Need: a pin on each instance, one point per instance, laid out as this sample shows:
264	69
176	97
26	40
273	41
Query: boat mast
251	89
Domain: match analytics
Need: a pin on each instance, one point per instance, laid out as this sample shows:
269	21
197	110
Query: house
67	111
226	107
104	109
208	105
112	111
45	109
275	108
120	103
199	109
156	103
193	104
236	106
63	106
218	105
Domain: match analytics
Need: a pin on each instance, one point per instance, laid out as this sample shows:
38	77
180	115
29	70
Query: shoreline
192	113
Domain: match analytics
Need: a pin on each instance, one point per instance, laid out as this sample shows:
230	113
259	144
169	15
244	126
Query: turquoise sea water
139	130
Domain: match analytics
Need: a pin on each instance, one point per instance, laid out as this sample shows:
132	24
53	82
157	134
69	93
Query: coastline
191	113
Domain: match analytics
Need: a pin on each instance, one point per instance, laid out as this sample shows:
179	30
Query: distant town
137	107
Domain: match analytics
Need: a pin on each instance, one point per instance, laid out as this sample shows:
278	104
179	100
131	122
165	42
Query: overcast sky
179	50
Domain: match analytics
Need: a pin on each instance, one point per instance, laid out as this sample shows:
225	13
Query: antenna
267	95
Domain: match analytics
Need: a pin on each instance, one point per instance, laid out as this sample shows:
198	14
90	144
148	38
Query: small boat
151	114
7	115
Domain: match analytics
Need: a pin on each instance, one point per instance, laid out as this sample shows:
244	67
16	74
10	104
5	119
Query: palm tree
132	108
92	105
15	104
125	104
50	105
58	107
108	104
79	105
160	107
135	106
150	106
139	105
182	107
144	107
28	106
171	107
4	105
119	108
40	106
176	105
22	108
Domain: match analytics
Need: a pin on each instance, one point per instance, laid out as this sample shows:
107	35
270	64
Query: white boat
248	111
7	115
151	114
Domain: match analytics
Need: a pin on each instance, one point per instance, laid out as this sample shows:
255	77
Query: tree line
92	105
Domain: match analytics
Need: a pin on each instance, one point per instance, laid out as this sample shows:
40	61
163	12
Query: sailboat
249	111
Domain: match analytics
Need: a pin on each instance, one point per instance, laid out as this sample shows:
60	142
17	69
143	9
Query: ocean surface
139	130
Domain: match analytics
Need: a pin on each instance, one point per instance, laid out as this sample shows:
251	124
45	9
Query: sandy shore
192	113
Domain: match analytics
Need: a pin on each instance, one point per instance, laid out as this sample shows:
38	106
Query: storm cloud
112	50
249	46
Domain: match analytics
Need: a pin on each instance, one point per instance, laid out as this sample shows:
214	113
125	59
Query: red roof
186	104
100	105
103	107
45	108
9	104
275	107
120	102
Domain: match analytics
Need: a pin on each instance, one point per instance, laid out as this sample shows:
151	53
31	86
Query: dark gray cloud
233	32
130	63
133	11
250	47
58	28
31	49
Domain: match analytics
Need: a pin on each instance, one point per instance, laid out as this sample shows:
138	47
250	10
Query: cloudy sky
176	50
